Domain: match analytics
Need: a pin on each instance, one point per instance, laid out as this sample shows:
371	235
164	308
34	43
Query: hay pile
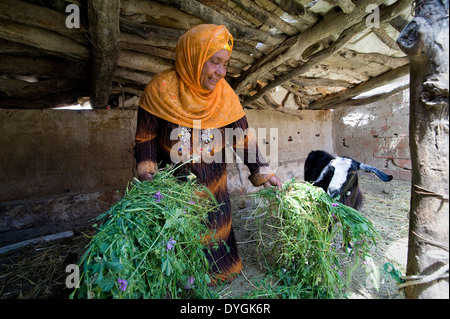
38	271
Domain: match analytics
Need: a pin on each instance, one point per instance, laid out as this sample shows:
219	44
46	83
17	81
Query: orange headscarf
177	96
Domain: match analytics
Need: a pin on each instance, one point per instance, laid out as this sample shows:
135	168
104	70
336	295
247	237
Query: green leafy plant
298	228
149	243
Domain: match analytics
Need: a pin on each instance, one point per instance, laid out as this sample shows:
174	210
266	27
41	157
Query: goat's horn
371	169
325	170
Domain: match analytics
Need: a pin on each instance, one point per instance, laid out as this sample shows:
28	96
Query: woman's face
214	69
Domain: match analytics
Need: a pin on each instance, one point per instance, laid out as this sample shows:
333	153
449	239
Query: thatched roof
318	53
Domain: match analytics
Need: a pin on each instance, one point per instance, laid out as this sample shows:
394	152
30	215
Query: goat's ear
371	169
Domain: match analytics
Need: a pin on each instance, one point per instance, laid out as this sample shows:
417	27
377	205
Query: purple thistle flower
158	197
170	244
123	284
335	204
191	202
190	283
334	217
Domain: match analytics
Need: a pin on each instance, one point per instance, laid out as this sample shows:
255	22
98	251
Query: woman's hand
273	181
146	177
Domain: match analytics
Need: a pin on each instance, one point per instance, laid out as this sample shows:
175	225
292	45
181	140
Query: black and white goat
338	176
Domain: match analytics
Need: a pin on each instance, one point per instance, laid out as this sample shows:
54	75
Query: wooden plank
301	81
298	12
47	101
148	49
147	31
134	76
34	241
158	14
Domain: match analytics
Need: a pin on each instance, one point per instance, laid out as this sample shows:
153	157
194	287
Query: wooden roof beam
42	67
333	23
267	18
37	16
297	11
385	78
301	81
346	6
45	40
314	60
208	14
386	14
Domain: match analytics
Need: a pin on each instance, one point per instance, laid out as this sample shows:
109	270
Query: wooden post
103	18
425	41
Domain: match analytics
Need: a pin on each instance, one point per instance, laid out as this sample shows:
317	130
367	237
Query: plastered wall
376	133
290	137
54	152
60	168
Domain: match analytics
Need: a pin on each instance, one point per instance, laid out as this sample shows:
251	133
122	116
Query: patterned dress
158	142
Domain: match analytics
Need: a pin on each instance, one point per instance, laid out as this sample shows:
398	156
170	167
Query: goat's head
343	171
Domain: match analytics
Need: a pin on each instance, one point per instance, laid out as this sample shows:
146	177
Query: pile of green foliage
298	228
149	243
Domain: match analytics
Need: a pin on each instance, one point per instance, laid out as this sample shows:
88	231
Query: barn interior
322	74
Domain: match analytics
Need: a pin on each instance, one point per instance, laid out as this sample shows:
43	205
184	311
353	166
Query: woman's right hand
146	177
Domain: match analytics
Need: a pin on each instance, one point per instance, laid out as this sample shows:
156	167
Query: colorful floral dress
159	142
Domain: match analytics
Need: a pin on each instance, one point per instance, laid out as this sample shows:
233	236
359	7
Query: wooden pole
425	41
103	18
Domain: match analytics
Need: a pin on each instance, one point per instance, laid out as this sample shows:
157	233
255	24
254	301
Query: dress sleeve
145	142
244	143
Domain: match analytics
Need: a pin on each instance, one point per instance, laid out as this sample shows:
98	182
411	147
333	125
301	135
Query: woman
192	95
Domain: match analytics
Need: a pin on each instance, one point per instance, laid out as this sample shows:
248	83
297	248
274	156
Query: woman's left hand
273	181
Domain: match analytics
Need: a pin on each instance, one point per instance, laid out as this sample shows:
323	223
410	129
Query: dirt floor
38	271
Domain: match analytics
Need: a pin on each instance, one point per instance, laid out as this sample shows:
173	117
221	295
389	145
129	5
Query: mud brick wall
60	168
